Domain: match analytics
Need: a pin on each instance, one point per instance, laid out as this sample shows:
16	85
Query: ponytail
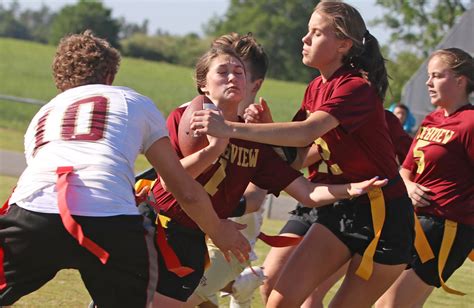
370	62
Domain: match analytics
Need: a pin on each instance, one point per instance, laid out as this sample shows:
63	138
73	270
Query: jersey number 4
84	120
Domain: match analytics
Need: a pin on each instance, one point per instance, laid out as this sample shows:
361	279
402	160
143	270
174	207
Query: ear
204	89
256	85
109	79
461	81
345	45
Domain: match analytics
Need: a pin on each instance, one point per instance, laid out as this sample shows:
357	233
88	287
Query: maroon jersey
226	180
360	147
400	139
441	158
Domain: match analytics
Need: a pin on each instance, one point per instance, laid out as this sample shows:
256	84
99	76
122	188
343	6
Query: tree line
415	27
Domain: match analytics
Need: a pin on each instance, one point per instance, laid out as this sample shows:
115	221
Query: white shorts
218	275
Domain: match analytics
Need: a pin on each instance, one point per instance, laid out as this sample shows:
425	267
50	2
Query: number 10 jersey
99	130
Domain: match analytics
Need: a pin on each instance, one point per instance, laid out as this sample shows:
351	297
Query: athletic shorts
190	248
36	246
219	274
300	220
352	224
462	246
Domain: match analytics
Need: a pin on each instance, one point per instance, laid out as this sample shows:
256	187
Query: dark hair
248	50
83	59
365	54
402	106
204	63
460	62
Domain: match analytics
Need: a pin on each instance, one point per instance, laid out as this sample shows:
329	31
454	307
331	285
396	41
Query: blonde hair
365	54
460	62
83	59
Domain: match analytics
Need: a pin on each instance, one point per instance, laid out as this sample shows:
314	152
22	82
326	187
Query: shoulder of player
353	80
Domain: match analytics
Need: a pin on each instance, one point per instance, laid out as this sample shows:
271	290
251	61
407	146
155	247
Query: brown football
188	143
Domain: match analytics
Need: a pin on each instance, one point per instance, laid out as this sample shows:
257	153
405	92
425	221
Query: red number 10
92	115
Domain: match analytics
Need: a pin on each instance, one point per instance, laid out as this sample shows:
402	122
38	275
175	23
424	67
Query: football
188	142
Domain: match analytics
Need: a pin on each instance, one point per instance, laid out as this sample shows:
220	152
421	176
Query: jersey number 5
83	120
417	153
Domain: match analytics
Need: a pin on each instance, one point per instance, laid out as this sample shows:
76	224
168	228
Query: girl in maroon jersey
225	167
439	175
346	122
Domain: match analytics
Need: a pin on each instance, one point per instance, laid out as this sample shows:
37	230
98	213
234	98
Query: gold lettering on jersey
234	150
239	163
253	156
243	157
211	186
435	134
325	155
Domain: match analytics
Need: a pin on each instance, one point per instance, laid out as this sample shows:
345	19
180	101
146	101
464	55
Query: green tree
84	15
419	24
129	29
182	50
10	26
38	23
400	70
278	25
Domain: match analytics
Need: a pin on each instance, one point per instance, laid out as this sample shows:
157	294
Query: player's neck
452	108
229	111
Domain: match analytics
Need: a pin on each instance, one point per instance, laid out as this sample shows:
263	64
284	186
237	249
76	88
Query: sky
180	17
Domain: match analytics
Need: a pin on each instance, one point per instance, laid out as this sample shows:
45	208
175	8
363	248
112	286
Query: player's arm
254	197
316	195
198	162
297	134
306	157
195	201
419	195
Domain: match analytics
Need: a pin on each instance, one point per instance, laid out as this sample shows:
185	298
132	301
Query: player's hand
210	122
360	188
258	113
419	195
142	195
230	240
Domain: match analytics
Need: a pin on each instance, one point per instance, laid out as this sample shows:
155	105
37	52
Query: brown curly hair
83	59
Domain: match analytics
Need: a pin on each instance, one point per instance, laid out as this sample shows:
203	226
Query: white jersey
99	130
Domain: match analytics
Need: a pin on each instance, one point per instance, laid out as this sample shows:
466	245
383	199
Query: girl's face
321	47
225	80
444	87
401	114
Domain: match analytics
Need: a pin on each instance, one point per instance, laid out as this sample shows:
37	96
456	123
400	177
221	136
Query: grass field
25	72
67	290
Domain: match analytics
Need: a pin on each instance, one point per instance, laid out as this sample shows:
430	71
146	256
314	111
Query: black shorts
36	246
190	247
462	246
300	220
352	224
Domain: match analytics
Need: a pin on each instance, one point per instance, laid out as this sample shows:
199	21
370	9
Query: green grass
25	71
